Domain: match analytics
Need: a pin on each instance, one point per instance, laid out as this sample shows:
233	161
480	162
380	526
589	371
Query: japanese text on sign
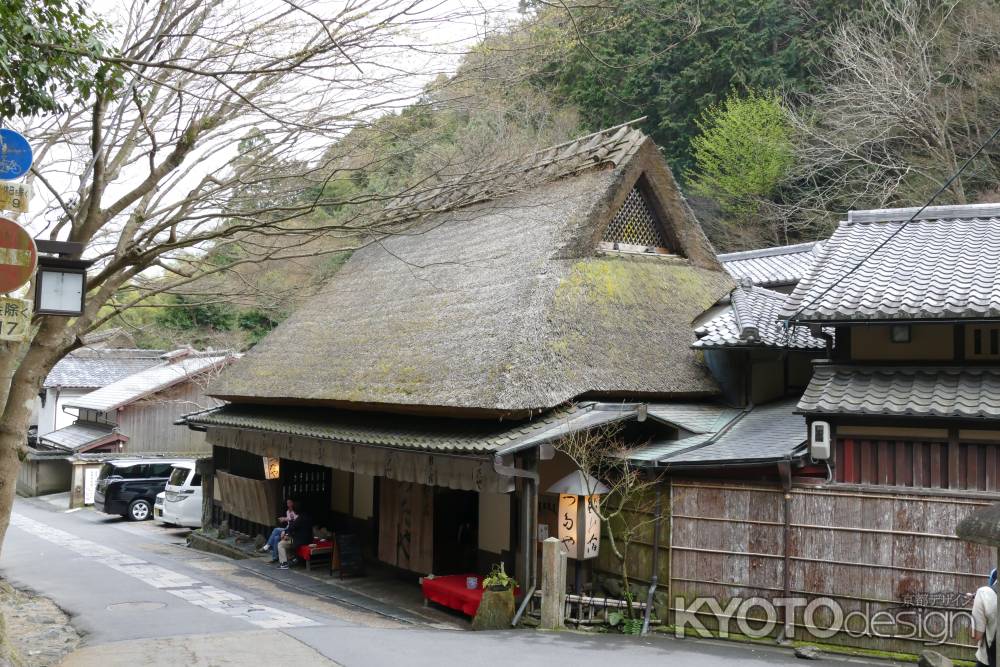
15	319
15	197
579	526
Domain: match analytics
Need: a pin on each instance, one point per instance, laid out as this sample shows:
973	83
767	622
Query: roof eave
800	320
796	455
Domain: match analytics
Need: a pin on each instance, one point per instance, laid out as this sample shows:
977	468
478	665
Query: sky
389	75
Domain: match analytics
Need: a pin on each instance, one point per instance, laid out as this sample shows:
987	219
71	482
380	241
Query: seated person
272	541
299	533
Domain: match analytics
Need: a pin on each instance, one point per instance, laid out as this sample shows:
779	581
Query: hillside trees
669	60
742	156
147	173
907	97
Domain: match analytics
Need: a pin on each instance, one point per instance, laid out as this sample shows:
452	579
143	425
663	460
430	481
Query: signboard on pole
18	256
15	318
15	155
14	197
579	525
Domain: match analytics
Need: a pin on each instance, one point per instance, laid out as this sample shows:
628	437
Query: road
140	596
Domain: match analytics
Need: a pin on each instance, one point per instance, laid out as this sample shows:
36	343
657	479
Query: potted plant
496	610
498	579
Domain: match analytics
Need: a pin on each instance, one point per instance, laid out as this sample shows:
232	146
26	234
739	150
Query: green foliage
41	42
744	151
628	626
200	322
632	626
671	59
185	314
256	324
499	577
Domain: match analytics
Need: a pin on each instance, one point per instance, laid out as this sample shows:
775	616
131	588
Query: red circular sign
18	256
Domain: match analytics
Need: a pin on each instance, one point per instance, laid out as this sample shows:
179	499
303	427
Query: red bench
450	591
321	548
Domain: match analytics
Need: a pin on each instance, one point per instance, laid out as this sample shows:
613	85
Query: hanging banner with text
15	197
15	319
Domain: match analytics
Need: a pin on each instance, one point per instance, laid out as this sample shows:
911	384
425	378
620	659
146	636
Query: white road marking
186	588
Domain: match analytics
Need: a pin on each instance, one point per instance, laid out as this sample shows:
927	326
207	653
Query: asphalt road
140	596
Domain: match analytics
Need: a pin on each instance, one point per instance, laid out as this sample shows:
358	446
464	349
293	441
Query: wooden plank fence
869	550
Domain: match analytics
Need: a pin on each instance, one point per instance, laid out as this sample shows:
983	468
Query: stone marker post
206	468
553	584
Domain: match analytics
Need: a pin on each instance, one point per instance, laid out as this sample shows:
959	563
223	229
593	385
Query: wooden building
135	415
907	391
412	401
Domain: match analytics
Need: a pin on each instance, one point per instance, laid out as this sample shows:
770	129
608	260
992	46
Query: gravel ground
39	632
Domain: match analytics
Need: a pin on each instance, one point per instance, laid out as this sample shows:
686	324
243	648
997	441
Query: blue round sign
15	155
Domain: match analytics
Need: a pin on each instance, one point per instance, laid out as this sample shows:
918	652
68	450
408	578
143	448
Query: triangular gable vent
636	223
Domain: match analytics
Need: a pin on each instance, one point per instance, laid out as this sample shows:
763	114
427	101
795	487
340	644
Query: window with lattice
636	224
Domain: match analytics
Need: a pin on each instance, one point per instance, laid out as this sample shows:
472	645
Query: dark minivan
128	487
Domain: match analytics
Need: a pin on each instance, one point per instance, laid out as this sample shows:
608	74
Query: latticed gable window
636	224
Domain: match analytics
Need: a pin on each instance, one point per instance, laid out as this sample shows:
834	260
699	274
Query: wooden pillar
206	468
553	585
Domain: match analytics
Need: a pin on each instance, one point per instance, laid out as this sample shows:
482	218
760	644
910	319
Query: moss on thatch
503	306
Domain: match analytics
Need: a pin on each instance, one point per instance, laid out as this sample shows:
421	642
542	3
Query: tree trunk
13	438
52	341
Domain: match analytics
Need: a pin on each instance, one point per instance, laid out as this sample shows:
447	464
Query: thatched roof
982	526
507	305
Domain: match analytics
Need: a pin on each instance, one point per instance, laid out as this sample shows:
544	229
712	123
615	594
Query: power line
896	233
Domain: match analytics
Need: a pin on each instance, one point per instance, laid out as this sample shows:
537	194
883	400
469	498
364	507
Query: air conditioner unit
819	440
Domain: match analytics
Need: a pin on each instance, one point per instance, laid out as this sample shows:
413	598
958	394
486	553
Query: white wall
51	416
364	496
494	522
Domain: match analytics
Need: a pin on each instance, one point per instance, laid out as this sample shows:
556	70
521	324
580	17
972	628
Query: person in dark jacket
298	533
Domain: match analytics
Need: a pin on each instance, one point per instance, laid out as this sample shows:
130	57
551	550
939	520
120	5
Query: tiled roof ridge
773	251
955	212
116	351
753	320
908	369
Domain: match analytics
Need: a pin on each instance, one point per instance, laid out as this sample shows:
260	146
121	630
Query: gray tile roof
77	436
97	368
149	381
772	267
944	265
972	393
702	417
767	433
752	321
466	436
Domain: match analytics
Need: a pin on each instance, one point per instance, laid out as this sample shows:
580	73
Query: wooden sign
579	526
15	197
15	319
348	555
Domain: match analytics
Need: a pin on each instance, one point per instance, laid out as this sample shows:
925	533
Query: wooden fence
867	550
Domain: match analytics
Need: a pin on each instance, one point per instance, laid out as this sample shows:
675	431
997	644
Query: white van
180	502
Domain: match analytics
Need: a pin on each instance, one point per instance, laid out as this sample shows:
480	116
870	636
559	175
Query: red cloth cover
450	591
305	553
